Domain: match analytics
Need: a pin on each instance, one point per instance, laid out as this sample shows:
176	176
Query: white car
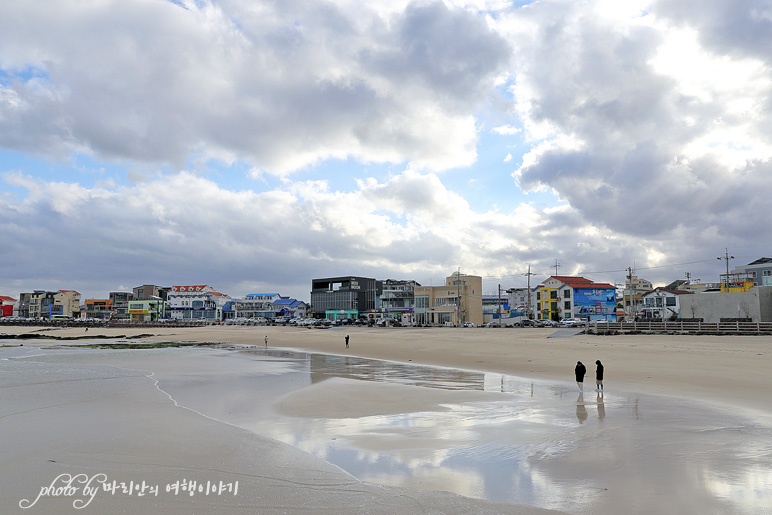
571	322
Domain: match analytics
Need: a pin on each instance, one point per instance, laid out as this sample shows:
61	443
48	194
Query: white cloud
648	120
278	84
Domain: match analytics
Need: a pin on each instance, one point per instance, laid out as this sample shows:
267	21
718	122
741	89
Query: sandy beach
86	412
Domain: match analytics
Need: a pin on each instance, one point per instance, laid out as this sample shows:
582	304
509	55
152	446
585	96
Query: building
754	305
50	304
662	304
290	308
459	301
147	310
632	294
150	291
521	300
98	308
255	305
120	304
760	271
398	299
7	305
195	302
562	297
343	297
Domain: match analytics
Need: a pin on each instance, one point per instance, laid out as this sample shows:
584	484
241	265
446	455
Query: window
566	294
670	301
553	294
567	304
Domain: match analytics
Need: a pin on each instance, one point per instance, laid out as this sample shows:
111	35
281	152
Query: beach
83	413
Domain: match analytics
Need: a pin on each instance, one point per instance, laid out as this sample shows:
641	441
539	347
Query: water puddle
526	442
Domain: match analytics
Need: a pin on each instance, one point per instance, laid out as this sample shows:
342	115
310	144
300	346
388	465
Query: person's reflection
581	411
601	407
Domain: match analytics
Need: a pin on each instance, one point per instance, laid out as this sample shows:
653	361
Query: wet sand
85	412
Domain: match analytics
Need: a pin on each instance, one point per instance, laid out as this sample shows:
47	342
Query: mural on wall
595	304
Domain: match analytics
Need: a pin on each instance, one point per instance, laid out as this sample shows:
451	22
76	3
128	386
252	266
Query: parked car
469	324
571	322
526	322
548	323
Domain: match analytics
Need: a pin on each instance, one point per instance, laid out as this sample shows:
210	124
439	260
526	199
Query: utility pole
630	287
458	283
528	294
726	258
557	265
499	304
688	278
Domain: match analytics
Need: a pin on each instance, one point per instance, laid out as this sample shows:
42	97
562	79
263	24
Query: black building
352	295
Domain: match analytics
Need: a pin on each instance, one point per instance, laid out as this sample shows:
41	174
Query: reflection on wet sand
532	443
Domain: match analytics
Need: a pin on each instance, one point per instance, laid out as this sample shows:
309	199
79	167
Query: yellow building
458	302
738	282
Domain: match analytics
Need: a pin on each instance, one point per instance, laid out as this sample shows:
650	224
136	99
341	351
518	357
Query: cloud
186	229
279	84
648	121
633	124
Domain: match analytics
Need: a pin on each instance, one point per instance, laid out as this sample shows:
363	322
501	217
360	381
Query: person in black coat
580	370
599	376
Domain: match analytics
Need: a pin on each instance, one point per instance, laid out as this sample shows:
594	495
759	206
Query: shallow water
537	443
542	444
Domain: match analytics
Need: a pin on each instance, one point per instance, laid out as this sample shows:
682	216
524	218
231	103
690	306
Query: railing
677	327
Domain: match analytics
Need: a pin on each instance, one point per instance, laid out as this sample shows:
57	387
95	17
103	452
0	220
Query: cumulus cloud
280	84
641	126
648	120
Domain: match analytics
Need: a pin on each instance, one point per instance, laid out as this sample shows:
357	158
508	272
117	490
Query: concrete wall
755	304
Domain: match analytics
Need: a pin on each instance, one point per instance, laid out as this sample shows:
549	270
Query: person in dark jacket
580	370
599	376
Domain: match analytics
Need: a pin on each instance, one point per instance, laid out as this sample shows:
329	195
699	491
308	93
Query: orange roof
581	282
3	297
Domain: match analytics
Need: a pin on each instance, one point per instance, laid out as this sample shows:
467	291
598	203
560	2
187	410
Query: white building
195	302
663	304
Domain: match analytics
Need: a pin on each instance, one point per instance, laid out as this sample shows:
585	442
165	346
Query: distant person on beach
599	376
266	340
347	341
580	370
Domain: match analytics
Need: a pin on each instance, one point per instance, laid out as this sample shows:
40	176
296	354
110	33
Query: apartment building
458	302
343	297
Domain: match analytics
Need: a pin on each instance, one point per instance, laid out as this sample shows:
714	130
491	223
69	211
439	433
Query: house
663	304
563	296
7	305
195	302
291	308
458	302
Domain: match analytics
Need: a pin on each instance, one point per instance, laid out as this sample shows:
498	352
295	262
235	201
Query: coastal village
744	295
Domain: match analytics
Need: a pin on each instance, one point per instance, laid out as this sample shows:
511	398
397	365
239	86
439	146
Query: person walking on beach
266	340
599	376
347	341
580	370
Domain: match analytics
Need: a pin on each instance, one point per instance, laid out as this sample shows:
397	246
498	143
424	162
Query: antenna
556	265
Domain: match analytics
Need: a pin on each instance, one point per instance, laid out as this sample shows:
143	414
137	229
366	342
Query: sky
253	145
